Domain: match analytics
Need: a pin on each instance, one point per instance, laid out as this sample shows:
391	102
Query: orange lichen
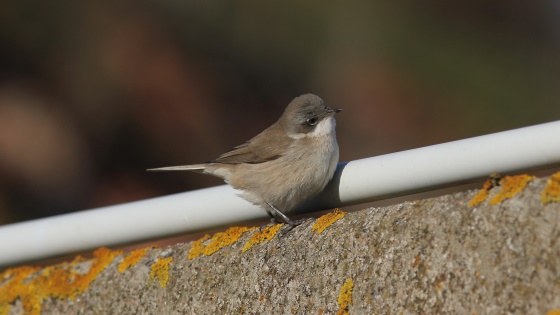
13	288
345	297
218	240
327	220
262	236
133	258
482	194
4	309
68	283
160	271
553	312
493	180
226	238
511	185
197	247
65	280
551	192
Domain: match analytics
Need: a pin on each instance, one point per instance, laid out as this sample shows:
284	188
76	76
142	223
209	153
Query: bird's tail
194	167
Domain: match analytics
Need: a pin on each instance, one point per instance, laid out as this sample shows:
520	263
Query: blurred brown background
94	92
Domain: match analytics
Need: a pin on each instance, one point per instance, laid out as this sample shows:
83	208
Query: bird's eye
312	121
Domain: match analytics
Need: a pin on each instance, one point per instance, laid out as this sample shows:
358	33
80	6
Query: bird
286	164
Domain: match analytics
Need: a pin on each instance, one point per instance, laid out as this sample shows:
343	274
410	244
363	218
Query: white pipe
354	182
440	165
124	223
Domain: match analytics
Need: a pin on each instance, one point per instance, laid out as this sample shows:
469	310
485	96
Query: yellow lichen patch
553	312
226	238
160	271
345	297
511	185
482	194
327	220
102	258
197	247
493	180
218	240
4	309
551	192
65	280
133	258
68	283
262	236
13	287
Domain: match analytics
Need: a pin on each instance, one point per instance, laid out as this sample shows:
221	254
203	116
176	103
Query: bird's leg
273	219
276	214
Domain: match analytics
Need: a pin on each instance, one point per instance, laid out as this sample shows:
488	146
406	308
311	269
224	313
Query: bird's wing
266	146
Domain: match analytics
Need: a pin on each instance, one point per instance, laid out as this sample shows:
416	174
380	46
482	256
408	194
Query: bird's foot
292	224
277	216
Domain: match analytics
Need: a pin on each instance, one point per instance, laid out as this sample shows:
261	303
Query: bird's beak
333	110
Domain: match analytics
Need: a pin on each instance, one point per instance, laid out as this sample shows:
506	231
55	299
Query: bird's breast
299	174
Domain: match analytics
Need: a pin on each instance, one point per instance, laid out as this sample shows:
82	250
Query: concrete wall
492	253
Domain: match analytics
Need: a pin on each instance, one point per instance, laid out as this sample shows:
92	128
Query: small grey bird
286	164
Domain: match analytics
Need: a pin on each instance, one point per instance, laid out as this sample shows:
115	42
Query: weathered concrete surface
434	256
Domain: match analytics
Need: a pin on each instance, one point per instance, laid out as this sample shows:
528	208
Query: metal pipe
354	182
